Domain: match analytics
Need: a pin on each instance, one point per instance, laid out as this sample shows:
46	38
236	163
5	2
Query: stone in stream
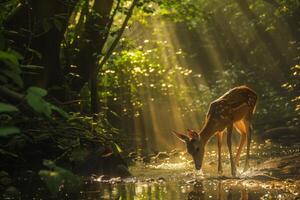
149	180
161	179
132	155
103	178
162	155
282	135
122	171
174	153
115	180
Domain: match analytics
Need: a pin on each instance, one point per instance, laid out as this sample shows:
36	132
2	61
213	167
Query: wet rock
282	167
161	179
115	180
174	153
162	155
149	180
132	155
282	135
183	153
122	171
103	178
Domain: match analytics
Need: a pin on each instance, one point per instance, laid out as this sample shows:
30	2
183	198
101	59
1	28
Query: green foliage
58	179
35	98
135	76
4	107
78	154
118	148
10	72
6	8
293	87
8	130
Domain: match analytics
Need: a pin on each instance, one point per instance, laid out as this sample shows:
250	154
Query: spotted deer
234	109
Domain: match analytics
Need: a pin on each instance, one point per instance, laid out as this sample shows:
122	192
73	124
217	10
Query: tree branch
120	33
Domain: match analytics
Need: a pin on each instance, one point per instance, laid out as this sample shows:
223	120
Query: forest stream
96	95
274	174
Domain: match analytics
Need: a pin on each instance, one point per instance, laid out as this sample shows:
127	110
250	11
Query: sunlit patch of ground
274	174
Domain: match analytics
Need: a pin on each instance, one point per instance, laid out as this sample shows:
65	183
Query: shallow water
174	178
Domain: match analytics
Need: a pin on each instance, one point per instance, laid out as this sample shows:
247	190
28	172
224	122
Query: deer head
195	146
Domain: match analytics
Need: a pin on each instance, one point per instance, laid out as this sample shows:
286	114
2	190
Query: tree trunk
91	43
40	27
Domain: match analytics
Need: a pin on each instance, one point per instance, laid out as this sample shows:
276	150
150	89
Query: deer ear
192	133
180	136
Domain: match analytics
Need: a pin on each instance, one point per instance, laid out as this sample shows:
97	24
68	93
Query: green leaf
35	100
8	130
118	148
38	104
16	54
60	111
7	108
35	52
37	91
15	77
32	67
57	178
8	56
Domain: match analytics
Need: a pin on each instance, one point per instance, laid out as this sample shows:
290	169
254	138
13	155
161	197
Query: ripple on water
178	180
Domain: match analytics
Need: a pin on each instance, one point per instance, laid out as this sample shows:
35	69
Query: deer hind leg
220	138
249	135
229	133
240	126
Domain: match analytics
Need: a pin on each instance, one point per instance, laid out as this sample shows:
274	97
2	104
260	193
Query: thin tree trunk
40	26
94	78
91	43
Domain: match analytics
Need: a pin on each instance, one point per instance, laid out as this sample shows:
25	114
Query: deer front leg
229	133
220	138
248	148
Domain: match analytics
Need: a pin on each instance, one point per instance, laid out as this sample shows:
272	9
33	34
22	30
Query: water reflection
194	190
173	178
197	192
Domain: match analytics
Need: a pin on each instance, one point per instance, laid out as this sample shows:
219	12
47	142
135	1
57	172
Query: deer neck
207	131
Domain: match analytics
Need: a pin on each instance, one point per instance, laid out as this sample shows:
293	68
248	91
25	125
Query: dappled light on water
172	176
